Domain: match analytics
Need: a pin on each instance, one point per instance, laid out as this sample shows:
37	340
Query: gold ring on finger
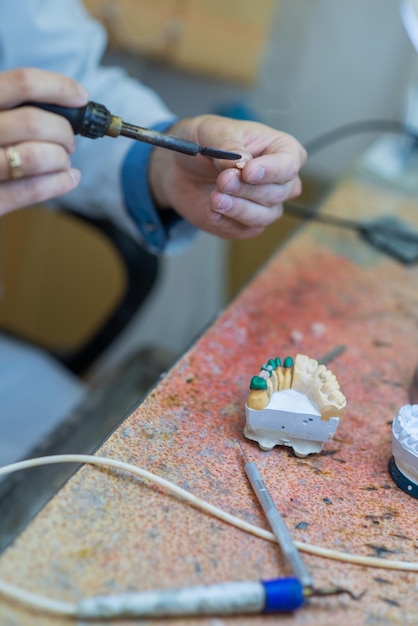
15	162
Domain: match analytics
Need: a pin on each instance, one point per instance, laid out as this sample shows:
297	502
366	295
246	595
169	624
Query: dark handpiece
91	120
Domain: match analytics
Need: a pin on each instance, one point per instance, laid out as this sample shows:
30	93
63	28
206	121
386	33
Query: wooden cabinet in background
223	39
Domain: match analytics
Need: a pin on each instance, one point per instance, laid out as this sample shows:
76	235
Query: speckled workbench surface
106	532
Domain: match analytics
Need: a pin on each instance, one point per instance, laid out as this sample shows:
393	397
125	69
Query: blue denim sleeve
156	228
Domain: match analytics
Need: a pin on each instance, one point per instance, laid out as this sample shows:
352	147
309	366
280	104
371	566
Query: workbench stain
382	581
302	525
380	551
391	602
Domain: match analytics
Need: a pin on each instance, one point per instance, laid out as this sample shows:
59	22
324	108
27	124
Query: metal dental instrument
278	526
284	538
95	120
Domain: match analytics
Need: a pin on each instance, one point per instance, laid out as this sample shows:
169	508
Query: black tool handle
95	120
91	120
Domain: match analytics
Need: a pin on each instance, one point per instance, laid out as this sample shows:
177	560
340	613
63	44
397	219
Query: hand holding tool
95	120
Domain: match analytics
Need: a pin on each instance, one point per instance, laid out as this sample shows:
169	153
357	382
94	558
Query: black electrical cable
399	240
355	128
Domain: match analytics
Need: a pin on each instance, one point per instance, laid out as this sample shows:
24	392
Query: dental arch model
297	404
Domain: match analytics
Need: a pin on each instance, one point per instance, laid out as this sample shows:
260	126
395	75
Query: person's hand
229	199
35	145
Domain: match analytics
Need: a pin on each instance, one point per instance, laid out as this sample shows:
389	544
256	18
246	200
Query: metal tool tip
242	451
220	154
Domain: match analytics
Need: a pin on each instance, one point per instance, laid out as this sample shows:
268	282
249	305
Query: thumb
220	133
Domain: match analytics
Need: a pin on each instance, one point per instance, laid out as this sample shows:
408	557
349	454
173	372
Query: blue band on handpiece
282	595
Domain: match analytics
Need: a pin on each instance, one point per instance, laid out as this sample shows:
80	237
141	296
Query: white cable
207	507
38	602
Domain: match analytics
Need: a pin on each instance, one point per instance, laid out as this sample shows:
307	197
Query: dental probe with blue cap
94	120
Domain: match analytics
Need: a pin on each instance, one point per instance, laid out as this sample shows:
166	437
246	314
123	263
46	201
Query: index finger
280	168
33	84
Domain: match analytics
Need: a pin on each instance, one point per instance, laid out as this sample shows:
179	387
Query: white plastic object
297	424
403	466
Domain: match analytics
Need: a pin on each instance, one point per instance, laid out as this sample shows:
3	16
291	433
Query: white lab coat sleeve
61	36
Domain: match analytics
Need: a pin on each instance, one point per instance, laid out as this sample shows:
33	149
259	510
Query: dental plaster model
297	404
403	466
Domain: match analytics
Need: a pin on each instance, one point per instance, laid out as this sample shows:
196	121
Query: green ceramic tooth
258	383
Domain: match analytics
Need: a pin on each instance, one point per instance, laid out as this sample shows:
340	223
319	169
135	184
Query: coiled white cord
38	602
